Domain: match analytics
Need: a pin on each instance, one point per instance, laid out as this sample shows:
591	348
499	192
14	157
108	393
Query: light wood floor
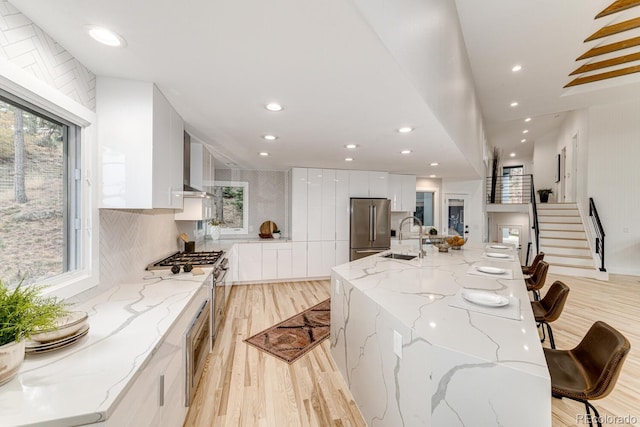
242	386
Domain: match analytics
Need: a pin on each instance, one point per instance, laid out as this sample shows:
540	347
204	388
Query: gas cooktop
196	259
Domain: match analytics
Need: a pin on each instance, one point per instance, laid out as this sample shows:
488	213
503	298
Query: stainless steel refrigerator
370	227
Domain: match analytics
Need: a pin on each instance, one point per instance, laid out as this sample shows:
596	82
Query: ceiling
220	61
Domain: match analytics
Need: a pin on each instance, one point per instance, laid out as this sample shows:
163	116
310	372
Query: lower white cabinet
249	262
298	259
321	256
276	261
157	396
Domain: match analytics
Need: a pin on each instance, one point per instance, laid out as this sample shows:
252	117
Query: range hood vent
188	190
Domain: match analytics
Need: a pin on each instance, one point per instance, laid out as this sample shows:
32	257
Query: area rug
292	338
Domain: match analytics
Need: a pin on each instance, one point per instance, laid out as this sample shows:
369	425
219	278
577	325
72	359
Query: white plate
496	255
490	270
498	247
485	298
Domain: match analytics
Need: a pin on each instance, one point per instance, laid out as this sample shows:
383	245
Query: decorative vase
215	232
11	357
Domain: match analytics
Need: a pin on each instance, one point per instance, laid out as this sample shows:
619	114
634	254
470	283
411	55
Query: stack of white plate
69	329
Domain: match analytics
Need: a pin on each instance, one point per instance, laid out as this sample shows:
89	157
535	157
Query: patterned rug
292	338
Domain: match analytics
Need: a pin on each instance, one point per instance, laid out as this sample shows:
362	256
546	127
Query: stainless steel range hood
188	190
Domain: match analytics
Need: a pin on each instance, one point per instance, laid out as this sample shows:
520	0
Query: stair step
564	242
554	259
559	219
558	212
565	250
563	226
566	234
571	266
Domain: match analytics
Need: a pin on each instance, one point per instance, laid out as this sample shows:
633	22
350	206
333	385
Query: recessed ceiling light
525	131
405	152
514	104
512	154
351	146
405	129
432	176
516	68
106	37
270	137
523	140
263	153
348	159
528	119
273	106
434	164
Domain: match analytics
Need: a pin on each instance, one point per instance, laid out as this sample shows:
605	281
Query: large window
232	206
39	193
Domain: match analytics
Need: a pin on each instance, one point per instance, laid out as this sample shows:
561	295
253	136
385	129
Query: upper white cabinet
141	142
368	184
343	205
298	215
402	193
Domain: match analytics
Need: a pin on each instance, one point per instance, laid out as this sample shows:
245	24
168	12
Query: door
381	218
454	207
360	225
562	197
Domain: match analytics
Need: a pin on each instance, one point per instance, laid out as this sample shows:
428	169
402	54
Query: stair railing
536	225
597	225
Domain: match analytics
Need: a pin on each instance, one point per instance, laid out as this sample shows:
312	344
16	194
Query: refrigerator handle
370	223
374	223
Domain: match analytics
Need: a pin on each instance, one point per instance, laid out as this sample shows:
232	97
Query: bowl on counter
440	242
66	326
456	242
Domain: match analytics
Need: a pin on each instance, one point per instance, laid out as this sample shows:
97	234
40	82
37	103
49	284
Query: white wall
614	175
544	164
474	210
511	219
576	123
425	38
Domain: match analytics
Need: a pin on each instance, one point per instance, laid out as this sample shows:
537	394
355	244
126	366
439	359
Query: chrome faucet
421	251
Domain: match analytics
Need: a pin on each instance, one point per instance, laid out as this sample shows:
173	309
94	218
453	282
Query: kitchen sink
399	256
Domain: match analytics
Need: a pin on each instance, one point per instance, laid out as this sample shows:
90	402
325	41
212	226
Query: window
232	206
39	193
424	207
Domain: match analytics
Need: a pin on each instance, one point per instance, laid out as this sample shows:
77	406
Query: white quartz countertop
419	293
82	383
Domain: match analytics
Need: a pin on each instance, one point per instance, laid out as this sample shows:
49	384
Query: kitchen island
415	353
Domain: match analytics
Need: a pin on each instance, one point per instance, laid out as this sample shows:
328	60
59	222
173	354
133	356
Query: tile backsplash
131	239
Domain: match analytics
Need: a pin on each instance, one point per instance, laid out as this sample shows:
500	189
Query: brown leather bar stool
549	308
536	281
591	369
529	269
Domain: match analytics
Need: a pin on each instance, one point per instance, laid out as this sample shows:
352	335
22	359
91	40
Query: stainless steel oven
198	345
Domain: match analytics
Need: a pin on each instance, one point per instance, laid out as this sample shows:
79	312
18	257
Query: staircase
564	241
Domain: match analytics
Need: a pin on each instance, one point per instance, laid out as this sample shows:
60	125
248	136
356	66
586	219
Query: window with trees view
38	193
232	206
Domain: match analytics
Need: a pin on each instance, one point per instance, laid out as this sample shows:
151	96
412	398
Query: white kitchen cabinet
314	204
141	142
343	205
358	184
298	177
276	261
402	193
321	257
298	259
284	261
368	184
195	209
202	169
342	252
328	205
249	262
328	257
378	183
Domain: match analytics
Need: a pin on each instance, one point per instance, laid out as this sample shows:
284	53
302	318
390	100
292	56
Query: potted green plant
433	231
276	234
544	194
23	311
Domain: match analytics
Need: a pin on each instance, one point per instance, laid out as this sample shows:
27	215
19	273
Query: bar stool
536	281
529	269
590	370
549	308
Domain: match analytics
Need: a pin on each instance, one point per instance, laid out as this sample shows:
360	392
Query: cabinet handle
161	390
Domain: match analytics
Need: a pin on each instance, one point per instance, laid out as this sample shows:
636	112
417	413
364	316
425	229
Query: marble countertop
83	383
419	293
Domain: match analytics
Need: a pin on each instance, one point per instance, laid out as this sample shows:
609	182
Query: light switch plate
397	343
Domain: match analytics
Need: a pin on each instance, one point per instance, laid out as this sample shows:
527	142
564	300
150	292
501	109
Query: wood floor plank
243	386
